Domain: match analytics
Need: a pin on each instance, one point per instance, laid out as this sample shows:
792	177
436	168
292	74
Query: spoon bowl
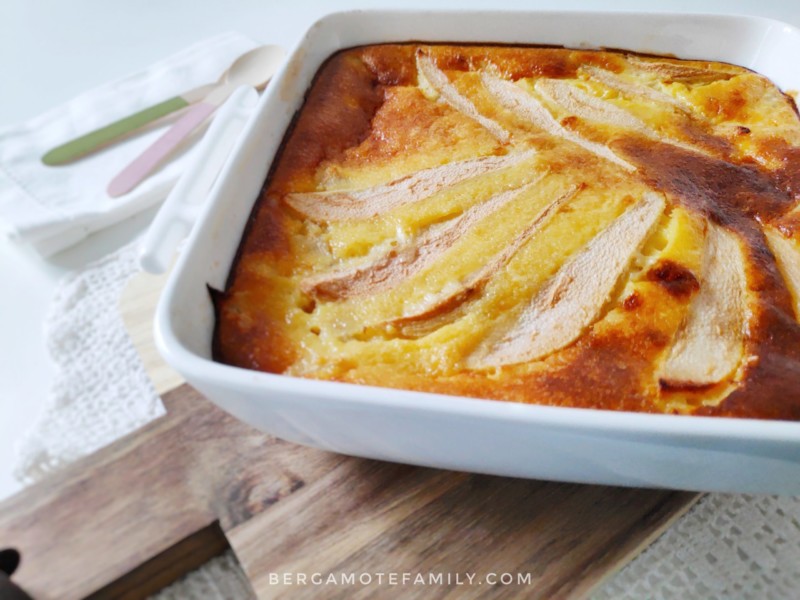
254	68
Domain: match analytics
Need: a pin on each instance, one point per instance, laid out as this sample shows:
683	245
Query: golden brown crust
336	116
388	282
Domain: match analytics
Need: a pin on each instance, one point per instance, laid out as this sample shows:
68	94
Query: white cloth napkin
53	208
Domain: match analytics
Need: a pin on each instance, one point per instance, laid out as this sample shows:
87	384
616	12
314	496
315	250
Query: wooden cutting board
135	516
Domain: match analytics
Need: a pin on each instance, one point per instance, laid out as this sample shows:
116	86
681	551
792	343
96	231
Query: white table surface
51	50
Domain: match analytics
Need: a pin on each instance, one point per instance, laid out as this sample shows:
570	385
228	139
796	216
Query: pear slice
579	103
672	72
399	262
434	83
575	296
526	106
710	344
380	199
631	89
428	315
787	254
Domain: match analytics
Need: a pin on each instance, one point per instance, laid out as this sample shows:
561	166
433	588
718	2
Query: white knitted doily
221	578
726	546
100	390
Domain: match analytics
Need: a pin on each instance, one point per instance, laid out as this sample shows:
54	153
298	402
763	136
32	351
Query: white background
51	50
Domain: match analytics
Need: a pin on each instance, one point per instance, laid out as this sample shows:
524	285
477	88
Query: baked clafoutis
542	225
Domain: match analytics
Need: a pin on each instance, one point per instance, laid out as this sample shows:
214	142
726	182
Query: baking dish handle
177	215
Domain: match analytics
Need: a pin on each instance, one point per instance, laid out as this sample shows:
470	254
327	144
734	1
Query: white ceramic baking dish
503	438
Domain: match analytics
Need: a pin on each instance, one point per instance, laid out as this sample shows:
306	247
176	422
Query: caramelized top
543	225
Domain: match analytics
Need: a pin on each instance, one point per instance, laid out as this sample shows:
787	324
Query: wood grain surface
138	514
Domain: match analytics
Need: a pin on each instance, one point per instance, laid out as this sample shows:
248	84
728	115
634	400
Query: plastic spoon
258	70
245	70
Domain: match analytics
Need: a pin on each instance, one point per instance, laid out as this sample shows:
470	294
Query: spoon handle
100	138
158	151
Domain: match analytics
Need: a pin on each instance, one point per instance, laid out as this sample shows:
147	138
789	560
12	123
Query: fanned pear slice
674	72
787	253
427	316
630	88
434	82
526	106
399	262
581	104
574	297
371	202
710	344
